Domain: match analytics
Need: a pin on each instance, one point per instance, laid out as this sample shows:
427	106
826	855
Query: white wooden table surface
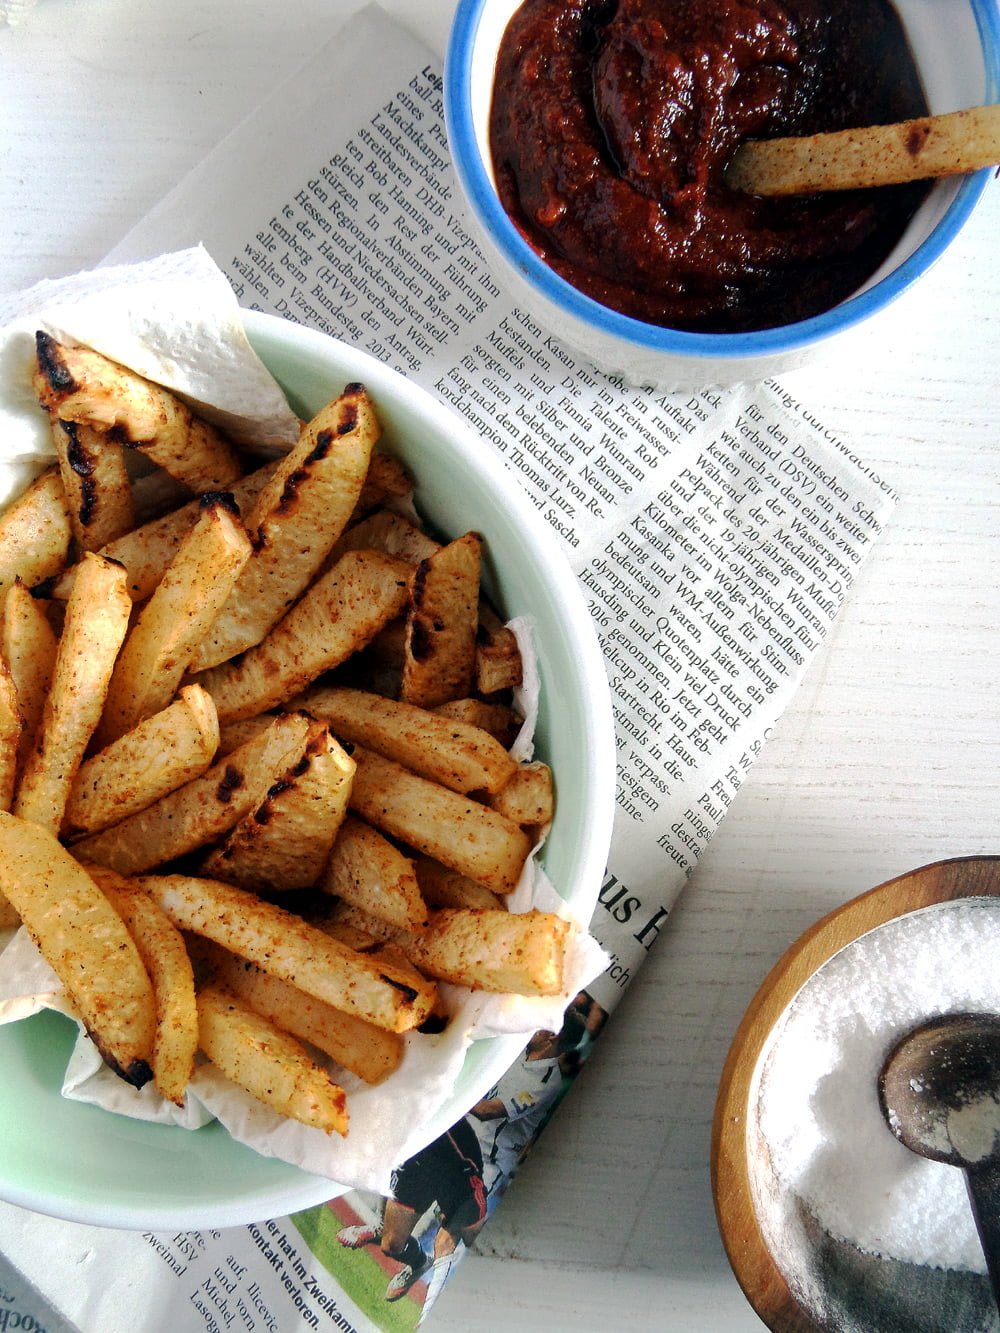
889	757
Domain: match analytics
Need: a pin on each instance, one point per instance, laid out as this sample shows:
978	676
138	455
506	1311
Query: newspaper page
716	535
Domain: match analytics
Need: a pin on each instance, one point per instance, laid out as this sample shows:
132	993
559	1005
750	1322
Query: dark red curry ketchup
612	123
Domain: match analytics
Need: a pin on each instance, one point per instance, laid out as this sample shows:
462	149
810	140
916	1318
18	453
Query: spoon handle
984	1195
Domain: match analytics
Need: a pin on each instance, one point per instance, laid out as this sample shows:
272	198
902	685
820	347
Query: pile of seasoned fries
256	795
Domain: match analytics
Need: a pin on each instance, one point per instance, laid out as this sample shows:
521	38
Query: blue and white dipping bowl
956	44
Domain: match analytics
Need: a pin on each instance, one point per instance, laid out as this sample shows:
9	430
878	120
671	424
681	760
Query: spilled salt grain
817	1105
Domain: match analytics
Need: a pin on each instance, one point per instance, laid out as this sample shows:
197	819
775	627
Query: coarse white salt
817	1102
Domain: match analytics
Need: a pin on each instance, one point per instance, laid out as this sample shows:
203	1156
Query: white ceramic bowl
957	47
83	1164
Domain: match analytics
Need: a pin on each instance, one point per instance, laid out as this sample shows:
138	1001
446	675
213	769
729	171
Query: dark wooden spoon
939	1090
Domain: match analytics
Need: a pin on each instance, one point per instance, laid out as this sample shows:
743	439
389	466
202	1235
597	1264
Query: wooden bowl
756	1269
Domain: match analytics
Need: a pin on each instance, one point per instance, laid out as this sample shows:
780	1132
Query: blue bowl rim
483	199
